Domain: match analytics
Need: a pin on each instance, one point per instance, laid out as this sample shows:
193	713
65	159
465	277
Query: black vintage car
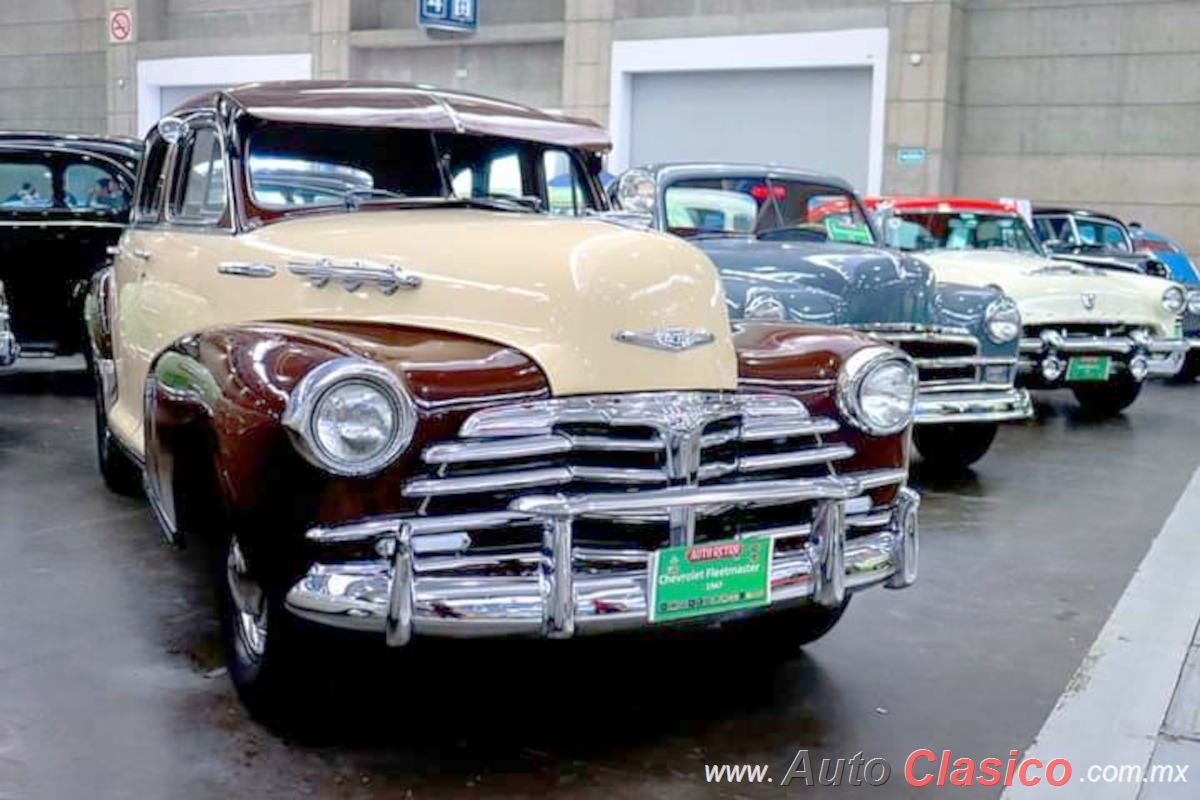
64	200
1094	239
797	246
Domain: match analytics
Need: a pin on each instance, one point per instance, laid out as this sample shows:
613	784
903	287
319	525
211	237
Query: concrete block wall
215	19
1090	103
53	65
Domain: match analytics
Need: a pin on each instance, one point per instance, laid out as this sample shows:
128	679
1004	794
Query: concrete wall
1089	102
52	65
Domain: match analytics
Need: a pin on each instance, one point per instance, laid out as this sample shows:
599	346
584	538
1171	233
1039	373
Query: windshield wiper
354	198
499	202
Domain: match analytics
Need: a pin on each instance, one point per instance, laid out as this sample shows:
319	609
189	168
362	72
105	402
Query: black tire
1109	399
782	633
265	671
1191	369
121	475
954	447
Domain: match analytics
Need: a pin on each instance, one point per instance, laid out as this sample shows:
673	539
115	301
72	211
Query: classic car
415	410
1098	332
1093	239
64	199
796	246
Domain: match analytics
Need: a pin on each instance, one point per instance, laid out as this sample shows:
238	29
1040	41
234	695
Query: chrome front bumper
419	585
971	403
1163	357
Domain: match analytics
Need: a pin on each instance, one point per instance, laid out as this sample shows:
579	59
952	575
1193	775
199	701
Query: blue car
796	246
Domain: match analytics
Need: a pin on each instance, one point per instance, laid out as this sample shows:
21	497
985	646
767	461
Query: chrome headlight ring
1193	303
1174	300
877	390
1002	320
322	408
636	190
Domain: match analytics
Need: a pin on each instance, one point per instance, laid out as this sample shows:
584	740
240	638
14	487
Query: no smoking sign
120	26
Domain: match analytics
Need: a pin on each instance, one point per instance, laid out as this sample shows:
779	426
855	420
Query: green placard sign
1088	368
840	229
710	578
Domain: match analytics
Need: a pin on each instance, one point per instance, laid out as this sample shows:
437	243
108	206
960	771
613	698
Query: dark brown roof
404	105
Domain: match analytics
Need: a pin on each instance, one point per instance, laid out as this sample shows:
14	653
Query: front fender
960	305
215	438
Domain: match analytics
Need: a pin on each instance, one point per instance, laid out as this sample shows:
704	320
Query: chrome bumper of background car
8	346
1162	357
968	403
561	590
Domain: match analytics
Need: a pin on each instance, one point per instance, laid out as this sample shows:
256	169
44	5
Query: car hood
824	282
1052	291
556	289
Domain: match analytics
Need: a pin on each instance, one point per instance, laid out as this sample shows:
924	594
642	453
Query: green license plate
1088	368
710	578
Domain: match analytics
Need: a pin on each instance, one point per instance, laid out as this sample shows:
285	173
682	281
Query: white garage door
810	118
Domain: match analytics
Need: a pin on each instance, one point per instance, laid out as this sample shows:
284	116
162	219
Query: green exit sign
910	156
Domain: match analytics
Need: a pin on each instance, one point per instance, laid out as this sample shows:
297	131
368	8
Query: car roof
697	169
125	147
401	105
1075	212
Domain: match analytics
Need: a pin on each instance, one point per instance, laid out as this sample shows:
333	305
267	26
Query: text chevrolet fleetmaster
345	338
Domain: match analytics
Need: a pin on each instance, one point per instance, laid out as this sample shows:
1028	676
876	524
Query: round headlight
1173	300
350	417
635	191
1002	321
877	390
1193	303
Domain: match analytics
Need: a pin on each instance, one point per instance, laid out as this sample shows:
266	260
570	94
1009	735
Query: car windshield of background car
778	209
959	231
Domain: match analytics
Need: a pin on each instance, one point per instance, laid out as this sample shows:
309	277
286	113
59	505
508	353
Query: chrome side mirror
172	129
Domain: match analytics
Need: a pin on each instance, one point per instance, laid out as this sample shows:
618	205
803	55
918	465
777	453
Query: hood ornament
674	340
1088	299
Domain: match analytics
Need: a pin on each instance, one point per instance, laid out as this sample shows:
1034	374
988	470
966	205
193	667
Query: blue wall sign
910	156
448	15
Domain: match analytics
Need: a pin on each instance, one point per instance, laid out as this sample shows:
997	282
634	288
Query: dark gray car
797	246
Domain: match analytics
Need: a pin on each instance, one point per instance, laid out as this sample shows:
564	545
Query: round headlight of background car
1193	303
350	417
877	390
1173	300
1002	320
635	191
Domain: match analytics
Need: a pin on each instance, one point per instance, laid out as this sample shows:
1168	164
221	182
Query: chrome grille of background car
627	443
1084	329
942	356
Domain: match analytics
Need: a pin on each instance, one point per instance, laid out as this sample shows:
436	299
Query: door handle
141	254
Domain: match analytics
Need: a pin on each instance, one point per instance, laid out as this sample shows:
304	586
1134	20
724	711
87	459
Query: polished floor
111	679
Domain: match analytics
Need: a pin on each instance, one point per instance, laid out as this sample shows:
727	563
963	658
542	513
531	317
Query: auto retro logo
674	340
1089	300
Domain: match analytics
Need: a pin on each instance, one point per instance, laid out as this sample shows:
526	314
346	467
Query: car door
158	296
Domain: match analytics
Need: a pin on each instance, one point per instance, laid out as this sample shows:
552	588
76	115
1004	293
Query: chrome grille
625	444
943	356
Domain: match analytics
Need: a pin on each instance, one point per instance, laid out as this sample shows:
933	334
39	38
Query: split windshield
299	167
764	207
957	230
1084	232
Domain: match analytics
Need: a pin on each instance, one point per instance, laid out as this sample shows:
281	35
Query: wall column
331	39
587	58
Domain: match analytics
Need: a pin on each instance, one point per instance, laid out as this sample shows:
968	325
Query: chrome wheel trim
249	604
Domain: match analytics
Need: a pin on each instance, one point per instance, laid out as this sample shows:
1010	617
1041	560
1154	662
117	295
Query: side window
26	184
92	187
151	179
565	189
202	199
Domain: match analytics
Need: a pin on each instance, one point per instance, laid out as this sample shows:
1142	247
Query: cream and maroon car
1098	332
345	338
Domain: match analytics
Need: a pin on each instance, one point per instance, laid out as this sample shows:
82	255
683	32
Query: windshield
1084	232
299	167
957	230
764	207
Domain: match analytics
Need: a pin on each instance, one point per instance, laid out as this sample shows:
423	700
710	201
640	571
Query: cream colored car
344	339
1100	333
